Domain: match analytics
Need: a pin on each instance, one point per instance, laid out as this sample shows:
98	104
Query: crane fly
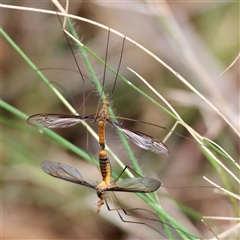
134	185
68	173
142	140
62	171
138	184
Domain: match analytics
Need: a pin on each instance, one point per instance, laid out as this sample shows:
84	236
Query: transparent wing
138	184
55	120
65	172
142	140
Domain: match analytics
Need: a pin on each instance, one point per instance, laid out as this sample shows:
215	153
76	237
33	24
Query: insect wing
55	120
138	184
65	172
143	140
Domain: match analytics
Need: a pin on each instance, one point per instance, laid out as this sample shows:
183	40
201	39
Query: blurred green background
198	40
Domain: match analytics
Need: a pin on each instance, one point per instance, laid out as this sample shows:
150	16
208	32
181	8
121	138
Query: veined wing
65	172
142	140
55	120
138	184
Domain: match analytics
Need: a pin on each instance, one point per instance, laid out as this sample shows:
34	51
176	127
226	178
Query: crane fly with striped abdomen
65	172
102	117
142	140
136	185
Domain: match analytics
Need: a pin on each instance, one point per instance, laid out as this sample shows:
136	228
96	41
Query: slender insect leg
154	220
126	167
125	212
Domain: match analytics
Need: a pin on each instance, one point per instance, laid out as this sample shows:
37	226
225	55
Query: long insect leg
149	220
124	170
120	208
120	61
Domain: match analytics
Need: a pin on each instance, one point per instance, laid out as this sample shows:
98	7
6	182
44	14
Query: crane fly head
101	194
103	113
